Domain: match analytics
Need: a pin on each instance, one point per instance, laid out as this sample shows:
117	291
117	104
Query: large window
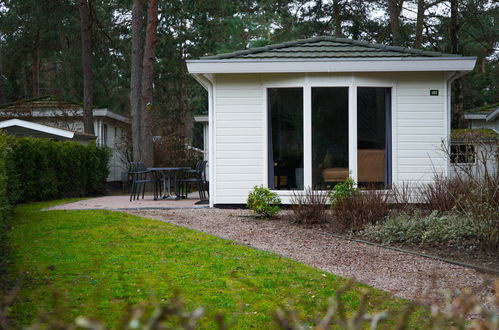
374	137
328	159
285	134
329	136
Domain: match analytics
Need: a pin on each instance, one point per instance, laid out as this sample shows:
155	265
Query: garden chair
140	178
198	177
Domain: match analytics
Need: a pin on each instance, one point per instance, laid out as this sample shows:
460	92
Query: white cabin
314	112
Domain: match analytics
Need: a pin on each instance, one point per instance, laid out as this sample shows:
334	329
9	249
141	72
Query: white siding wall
239	137
239	159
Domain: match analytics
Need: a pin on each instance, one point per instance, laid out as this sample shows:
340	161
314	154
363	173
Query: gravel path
404	275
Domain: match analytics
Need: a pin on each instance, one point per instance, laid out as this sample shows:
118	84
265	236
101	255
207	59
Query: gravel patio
403	275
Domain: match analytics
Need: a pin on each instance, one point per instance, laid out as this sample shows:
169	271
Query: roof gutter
287	65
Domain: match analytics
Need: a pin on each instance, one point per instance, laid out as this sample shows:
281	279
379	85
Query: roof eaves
493	115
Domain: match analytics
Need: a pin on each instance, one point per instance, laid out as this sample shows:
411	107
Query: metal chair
198	177
140	178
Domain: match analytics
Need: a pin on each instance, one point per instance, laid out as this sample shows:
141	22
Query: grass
102	261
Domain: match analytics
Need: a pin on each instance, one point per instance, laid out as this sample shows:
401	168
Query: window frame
307	86
473	154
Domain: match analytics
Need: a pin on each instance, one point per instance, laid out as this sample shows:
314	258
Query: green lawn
102	261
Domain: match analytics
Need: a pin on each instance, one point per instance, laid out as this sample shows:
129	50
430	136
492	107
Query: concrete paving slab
122	202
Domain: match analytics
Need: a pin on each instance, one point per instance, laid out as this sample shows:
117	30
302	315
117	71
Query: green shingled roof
43	102
325	47
474	135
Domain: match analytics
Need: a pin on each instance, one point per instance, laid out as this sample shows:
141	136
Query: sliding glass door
327	114
285	138
374	136
329	136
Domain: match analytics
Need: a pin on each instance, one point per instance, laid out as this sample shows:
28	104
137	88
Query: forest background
41	46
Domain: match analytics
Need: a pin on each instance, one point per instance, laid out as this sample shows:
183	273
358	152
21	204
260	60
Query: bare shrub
355	211
442	194
476	198
455	315
170	151
477	182
459	307
310	207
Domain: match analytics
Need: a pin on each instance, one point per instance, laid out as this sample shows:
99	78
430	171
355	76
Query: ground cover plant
101	262
421	229
456	218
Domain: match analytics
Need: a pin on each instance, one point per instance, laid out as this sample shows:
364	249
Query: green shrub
342	190
4	215
263	202
4	205
417	229
42	169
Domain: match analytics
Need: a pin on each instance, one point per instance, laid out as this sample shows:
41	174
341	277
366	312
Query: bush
460	311
42	169
4	205
475	198
353	212
441	194
263	202
4	216
310	207
434	228
343	190
170	151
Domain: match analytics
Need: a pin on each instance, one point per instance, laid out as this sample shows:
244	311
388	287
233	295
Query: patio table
167	174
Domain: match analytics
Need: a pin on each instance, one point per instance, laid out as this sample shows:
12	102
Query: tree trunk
419	24
454	26
458	90
147	83
136	75
86	61
3	97
394	9
337	19
35	68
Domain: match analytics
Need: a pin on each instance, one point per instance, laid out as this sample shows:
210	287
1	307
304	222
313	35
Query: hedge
4	203
42	169
4	214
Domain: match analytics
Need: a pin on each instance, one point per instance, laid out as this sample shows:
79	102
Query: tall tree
337	19
394	10
2	83
84	8
147	83
422	7
453	36
418	40
136	75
